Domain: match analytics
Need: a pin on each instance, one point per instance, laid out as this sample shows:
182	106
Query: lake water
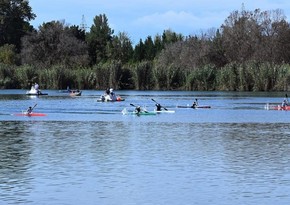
87	152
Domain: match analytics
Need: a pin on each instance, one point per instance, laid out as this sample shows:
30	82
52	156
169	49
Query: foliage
99	36
8	54
26	75
120	48
249	52
54	44
14	18
6	76
256	35
202	79
143	75
168	78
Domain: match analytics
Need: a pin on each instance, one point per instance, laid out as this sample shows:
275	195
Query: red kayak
279	107
33	114
204	106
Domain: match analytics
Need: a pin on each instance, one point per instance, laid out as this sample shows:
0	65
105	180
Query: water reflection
15	151
144	162
257	156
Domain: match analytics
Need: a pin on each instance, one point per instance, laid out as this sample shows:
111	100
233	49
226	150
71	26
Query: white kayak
33	91
165	111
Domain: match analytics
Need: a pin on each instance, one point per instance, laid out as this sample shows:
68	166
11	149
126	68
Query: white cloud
179	22
141	18
165	20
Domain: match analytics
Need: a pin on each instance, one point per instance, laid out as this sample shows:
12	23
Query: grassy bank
249	76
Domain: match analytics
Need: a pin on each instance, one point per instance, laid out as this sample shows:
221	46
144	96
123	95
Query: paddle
159	104
137	106
33	107
286	97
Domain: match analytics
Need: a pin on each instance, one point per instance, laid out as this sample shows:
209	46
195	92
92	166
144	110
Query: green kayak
125	112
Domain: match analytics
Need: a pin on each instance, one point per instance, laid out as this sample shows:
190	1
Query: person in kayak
29	110
112	95
195	104
138	109
36	87
107	91
284	103
107	96
158	107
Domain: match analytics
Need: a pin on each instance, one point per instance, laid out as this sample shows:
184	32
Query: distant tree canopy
250	51
257	35
14	21
120	48
245	35
8	54
53	44
98	38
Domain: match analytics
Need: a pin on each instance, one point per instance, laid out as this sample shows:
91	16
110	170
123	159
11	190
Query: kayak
279	107
33	91
75	93
118	100
33	114
165	111
36	94
125	112
140	113
203	106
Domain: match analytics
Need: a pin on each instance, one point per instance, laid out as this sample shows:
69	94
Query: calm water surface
86	152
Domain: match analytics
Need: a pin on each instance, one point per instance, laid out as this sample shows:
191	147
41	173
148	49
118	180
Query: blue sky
140	19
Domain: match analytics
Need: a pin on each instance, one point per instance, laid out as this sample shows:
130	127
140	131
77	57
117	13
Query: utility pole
83	25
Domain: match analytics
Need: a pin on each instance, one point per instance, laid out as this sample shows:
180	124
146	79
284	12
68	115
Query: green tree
139	52
120	48
7	54
77	32
159	46
169	36
99	36
150	50
14	21
54	44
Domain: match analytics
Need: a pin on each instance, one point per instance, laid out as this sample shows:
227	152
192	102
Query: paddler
284	103
158	107
138	109
112	95
107	91
36	87
194	104
29	110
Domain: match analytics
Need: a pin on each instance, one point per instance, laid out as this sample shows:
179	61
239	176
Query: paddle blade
132	105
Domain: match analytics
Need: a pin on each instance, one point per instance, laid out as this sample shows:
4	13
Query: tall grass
247	76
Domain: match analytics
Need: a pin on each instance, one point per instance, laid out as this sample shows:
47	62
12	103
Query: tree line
250	51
